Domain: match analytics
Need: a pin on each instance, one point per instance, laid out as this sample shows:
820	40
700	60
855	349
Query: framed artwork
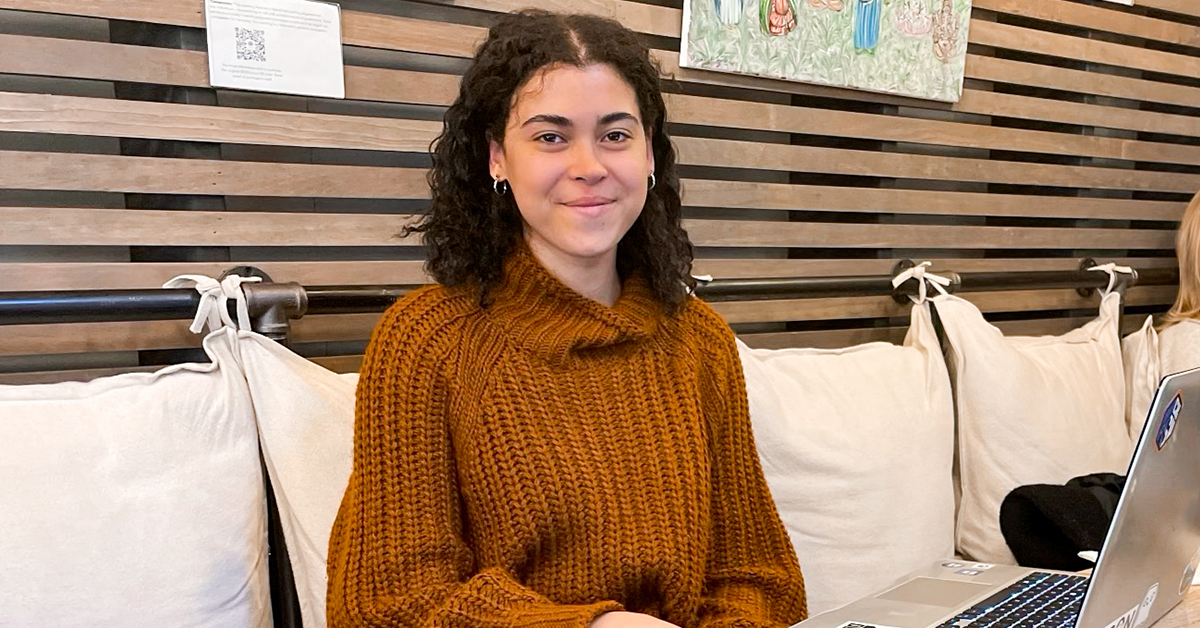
905	47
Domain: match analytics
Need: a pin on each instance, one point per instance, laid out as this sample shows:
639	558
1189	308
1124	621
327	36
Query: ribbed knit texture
546	459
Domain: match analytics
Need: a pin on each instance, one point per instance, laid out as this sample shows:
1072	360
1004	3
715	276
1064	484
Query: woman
1179	332
557	434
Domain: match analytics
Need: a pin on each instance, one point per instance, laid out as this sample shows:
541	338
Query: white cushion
306	424
857	446
1179	347
1031	410
134	500
1139	352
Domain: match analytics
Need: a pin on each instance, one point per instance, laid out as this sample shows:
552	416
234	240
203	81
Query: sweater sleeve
397	552
753	579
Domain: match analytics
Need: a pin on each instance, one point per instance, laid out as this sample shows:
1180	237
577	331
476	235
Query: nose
586	165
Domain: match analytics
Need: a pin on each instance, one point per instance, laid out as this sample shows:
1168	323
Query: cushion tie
231	286
1112	269
918	272
212	310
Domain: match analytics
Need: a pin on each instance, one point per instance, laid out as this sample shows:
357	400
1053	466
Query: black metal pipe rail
79	306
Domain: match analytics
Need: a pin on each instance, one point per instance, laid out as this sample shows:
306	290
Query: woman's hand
623	619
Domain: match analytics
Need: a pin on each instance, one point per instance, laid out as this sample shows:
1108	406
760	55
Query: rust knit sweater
546	459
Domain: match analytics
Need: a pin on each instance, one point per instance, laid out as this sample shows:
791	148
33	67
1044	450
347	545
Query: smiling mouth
591	201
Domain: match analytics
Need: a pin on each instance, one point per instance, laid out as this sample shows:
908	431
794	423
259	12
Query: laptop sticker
953	565
859	624
1144	610
1166	425
982	566
969	572
1125	620
1189	573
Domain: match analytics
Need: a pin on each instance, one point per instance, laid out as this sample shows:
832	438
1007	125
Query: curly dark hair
470	230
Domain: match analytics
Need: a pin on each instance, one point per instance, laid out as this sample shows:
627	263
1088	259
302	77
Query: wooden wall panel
1078	135
1099	19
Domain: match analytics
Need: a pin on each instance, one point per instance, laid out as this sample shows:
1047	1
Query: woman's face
577	160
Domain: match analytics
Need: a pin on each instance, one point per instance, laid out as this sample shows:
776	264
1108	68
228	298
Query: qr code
251	44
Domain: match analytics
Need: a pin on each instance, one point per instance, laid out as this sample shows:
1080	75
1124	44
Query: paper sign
281	46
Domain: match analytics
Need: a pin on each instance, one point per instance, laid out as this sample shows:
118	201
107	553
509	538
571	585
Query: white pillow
857	445
134	500
1179	347
306	425
1139	351
1031	410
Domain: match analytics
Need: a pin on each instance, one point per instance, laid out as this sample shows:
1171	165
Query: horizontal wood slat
1078	48
1029	108
126	227
49	226
1183	7
796	119
46	56
1097	18
115	227
44	113
175	12
26	276
151	335
61	171
840	235
764	156
650	19
784	196
155	175
1066	79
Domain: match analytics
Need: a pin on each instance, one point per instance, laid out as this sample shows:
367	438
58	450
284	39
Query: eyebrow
558	120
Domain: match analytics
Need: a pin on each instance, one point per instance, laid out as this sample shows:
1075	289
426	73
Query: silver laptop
1144	569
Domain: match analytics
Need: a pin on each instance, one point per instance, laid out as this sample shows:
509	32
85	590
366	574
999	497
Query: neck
595	278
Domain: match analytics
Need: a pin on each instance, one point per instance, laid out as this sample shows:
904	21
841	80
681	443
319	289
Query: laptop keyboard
1041	600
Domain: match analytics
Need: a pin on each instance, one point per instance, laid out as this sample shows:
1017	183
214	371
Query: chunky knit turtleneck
547	459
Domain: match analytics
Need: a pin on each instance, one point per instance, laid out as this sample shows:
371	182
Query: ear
496	161
650	153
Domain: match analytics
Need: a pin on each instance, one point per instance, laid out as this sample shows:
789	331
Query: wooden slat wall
1078	134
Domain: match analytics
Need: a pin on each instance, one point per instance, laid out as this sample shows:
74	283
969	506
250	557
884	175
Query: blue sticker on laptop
1166	425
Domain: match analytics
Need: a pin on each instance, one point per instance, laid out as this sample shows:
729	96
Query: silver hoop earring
653	182
500	186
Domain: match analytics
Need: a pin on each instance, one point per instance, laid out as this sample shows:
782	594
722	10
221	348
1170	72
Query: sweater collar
545	317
